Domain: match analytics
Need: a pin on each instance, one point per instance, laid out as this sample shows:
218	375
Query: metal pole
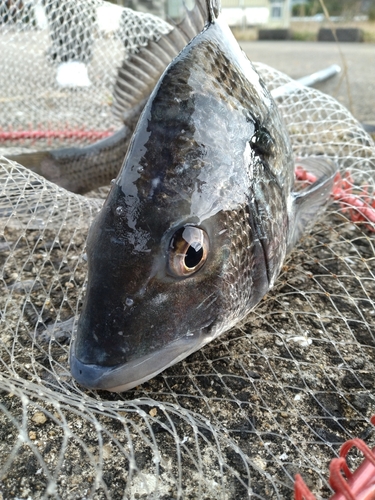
306	81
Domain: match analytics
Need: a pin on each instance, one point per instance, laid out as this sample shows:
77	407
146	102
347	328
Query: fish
199	220
85	168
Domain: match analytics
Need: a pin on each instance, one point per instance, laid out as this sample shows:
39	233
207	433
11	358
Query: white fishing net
243	415
38	40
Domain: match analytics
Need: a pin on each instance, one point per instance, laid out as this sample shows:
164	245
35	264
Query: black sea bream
198	222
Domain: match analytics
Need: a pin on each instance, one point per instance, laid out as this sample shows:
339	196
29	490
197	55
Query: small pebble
39	418
153	412
32	435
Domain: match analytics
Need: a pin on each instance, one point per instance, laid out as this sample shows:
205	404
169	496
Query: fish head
175	256
157	299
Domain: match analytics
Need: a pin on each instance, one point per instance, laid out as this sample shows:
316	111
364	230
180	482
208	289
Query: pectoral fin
311	201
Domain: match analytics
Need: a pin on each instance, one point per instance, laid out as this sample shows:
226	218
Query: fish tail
309	203
79	169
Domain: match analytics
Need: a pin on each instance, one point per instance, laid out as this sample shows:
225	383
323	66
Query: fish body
198	222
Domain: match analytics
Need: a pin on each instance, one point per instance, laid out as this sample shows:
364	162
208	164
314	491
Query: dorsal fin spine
213	9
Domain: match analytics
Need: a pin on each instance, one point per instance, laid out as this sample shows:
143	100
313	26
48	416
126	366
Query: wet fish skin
210	152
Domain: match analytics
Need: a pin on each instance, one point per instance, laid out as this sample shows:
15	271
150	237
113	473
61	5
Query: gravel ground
235	420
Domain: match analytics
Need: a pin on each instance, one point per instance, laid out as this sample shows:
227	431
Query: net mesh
276	396
36	41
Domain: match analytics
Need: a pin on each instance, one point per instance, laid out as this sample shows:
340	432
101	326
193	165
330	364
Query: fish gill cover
243	415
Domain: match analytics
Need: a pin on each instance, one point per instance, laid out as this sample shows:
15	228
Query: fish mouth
126	376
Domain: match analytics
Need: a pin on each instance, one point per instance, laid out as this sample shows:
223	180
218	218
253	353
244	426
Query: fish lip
126	376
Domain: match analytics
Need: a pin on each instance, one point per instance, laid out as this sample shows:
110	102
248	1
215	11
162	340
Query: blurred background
302	18
280	24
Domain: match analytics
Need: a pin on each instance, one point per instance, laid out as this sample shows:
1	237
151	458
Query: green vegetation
303	30
304	36
369	36
345	8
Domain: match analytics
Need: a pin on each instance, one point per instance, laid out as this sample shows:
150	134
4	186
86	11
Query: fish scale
198	222
233	88
239	277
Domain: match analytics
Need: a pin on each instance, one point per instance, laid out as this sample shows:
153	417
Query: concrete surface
354	86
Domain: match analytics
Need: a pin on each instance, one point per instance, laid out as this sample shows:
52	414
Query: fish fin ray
308	203
214	8
153	59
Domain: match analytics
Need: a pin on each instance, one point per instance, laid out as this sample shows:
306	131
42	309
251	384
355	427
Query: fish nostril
129	302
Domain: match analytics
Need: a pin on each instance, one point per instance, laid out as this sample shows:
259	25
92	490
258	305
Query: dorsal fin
214	8
139	73
81	169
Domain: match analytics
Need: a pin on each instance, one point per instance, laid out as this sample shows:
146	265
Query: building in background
157	7
247	13
240	13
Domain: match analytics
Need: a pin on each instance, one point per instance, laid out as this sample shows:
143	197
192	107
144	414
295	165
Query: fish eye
188	250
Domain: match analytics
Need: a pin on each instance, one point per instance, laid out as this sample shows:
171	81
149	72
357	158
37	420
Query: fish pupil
193	257
188	251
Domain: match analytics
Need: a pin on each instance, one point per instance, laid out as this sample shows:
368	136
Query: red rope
18	135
